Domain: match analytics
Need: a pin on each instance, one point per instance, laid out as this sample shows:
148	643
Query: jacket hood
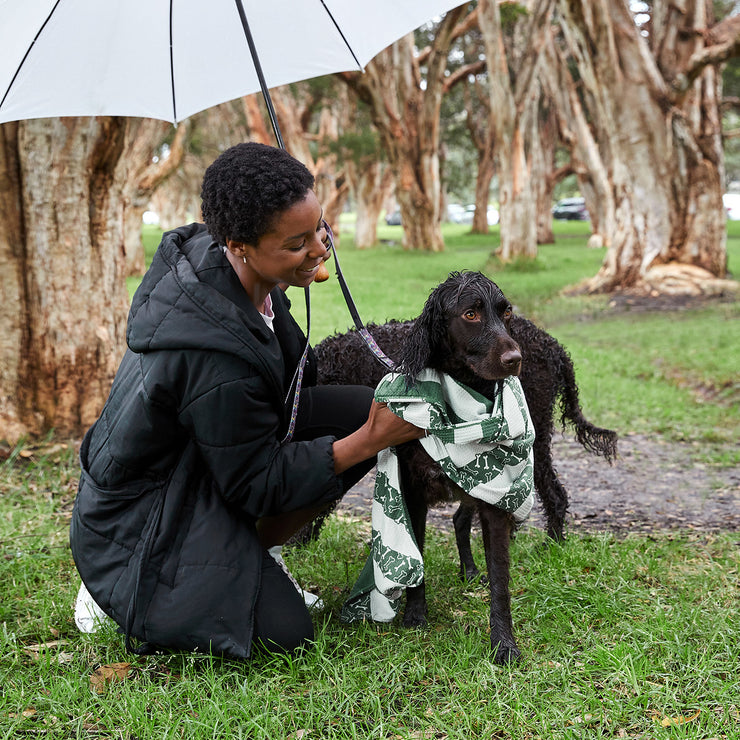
190	298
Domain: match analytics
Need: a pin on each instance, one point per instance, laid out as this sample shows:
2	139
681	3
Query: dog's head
464	332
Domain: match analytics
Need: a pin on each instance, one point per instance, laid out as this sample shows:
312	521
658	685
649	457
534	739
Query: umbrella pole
260	76
364	333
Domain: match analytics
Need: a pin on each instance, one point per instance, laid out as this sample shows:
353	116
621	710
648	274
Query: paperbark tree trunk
144	179
62	266
544	142
372	183
310	127
478	115
405	108
646	124
513	90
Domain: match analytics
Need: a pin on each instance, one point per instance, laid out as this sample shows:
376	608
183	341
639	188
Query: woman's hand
389	429
382	429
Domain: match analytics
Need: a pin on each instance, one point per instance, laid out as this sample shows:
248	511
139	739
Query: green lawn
633	637
670	373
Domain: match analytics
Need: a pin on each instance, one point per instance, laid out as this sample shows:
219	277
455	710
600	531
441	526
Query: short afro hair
246	187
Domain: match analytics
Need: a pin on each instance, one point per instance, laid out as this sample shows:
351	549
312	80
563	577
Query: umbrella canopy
170	59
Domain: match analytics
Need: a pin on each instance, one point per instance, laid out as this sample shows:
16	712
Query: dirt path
650	487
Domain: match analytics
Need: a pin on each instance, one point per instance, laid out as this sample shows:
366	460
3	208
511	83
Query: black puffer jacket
186	456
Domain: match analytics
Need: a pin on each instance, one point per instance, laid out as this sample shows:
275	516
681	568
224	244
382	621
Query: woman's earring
244	259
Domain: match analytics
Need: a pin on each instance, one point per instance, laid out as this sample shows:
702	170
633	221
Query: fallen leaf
585	719
37	649
671	721
28	712
25	453
106	674
298	734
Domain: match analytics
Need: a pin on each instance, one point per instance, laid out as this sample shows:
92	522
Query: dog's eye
470	315
507	313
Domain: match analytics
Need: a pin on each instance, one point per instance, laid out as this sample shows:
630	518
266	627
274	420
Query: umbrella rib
260	75
172	69
339	31
28	51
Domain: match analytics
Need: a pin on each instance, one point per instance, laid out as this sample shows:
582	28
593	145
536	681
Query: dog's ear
421	345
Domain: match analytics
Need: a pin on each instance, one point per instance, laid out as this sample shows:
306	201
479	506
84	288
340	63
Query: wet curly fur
547	377
468	331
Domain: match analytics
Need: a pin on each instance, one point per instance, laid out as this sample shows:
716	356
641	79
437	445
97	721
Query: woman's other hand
382	429
390	430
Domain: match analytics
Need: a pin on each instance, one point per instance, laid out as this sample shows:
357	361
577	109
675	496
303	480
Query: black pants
282	622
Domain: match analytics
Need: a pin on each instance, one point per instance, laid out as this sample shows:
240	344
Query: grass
666	373
633	637
389	282
620	637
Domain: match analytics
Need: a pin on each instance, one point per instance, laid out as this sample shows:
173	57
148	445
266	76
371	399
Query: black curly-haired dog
547	377
467	330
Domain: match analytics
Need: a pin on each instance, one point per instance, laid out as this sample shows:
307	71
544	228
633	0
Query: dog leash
298	375
361	329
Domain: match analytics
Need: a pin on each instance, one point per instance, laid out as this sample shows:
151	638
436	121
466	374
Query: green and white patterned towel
483	446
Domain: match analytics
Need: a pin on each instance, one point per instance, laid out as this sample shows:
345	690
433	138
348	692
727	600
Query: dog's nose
511	359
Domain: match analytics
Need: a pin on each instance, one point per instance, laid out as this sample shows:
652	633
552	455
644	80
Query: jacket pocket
117	513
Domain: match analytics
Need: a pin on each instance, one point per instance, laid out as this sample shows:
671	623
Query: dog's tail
594	439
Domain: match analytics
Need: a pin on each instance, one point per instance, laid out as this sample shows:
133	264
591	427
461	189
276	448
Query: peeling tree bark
514	104
651	140
372	183
544	141
405	111
296	110
64	308
478	115
145	179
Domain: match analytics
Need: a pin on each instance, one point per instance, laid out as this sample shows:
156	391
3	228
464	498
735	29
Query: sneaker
312	601
89	617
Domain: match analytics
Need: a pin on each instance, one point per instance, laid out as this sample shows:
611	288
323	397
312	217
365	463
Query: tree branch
466	24
723	43
730	103
156	173
540	16
461	74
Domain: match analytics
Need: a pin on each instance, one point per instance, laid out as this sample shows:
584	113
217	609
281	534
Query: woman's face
293	250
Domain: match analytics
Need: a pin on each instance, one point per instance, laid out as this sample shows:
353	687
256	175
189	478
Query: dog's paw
473	575
550	543
415	617
503	654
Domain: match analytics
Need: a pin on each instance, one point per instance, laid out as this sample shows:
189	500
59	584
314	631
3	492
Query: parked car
455	213
469	212
393	218
570	209
731	202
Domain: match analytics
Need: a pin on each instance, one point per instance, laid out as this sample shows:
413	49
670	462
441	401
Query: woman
187	479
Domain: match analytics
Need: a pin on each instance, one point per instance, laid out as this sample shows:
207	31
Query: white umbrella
170	59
